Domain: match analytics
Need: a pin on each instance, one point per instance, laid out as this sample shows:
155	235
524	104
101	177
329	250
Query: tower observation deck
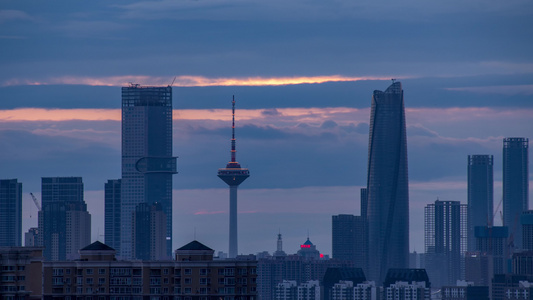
233	175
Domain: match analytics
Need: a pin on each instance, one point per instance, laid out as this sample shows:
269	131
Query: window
57	280
187	290
101	280
67	271
243	271
89	290
165	271
188	280
89	280
203	281
188	271
57	272
89	271
203	271
165	280
101	271
229	271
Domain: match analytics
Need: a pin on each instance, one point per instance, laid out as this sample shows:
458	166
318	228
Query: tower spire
233	151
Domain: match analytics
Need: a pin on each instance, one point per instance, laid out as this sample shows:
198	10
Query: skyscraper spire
233	175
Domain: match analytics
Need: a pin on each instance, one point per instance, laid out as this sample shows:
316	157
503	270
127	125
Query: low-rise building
20	272
193	275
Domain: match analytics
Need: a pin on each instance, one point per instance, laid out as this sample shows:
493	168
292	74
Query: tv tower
233	175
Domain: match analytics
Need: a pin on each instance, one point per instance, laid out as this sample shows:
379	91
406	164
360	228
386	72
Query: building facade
20	272
112	213
445	241
10	212
387	184
493	241
349	239
149	227
64	223
147	161
480	194
192	275
526	221
515	185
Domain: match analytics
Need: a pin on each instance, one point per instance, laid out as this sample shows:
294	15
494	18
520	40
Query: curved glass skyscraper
387	184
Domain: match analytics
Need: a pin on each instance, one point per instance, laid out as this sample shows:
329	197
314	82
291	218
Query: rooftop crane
35	201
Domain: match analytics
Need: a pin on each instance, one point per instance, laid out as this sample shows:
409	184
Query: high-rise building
10	212
349	239
526	221
445	241
112	213
480	194
149	227
233	175
387	184
515	185
147	161
64	223
493	241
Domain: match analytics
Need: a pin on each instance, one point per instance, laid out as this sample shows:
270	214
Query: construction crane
35	201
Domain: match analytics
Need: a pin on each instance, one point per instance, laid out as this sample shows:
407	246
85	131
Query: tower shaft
233	239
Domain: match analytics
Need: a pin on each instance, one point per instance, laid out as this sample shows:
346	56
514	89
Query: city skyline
467	85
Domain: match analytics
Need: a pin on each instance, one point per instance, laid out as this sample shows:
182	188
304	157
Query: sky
303	74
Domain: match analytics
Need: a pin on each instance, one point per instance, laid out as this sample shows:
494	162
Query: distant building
387	186
20	272
493	241
445	241
333	276
10	212
515	185
192	275
480	194
510	286
112	213
526	221
465	291
149	228
349	239
31	237
417	260
407	291
64	223
346	290
479	268
302	267
290	290
522	263
147	161
279	249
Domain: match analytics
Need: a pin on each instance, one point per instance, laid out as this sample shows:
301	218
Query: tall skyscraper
515	185
480	194
112	213
233	175
387	184
147	161
445	241
64	223
10	213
